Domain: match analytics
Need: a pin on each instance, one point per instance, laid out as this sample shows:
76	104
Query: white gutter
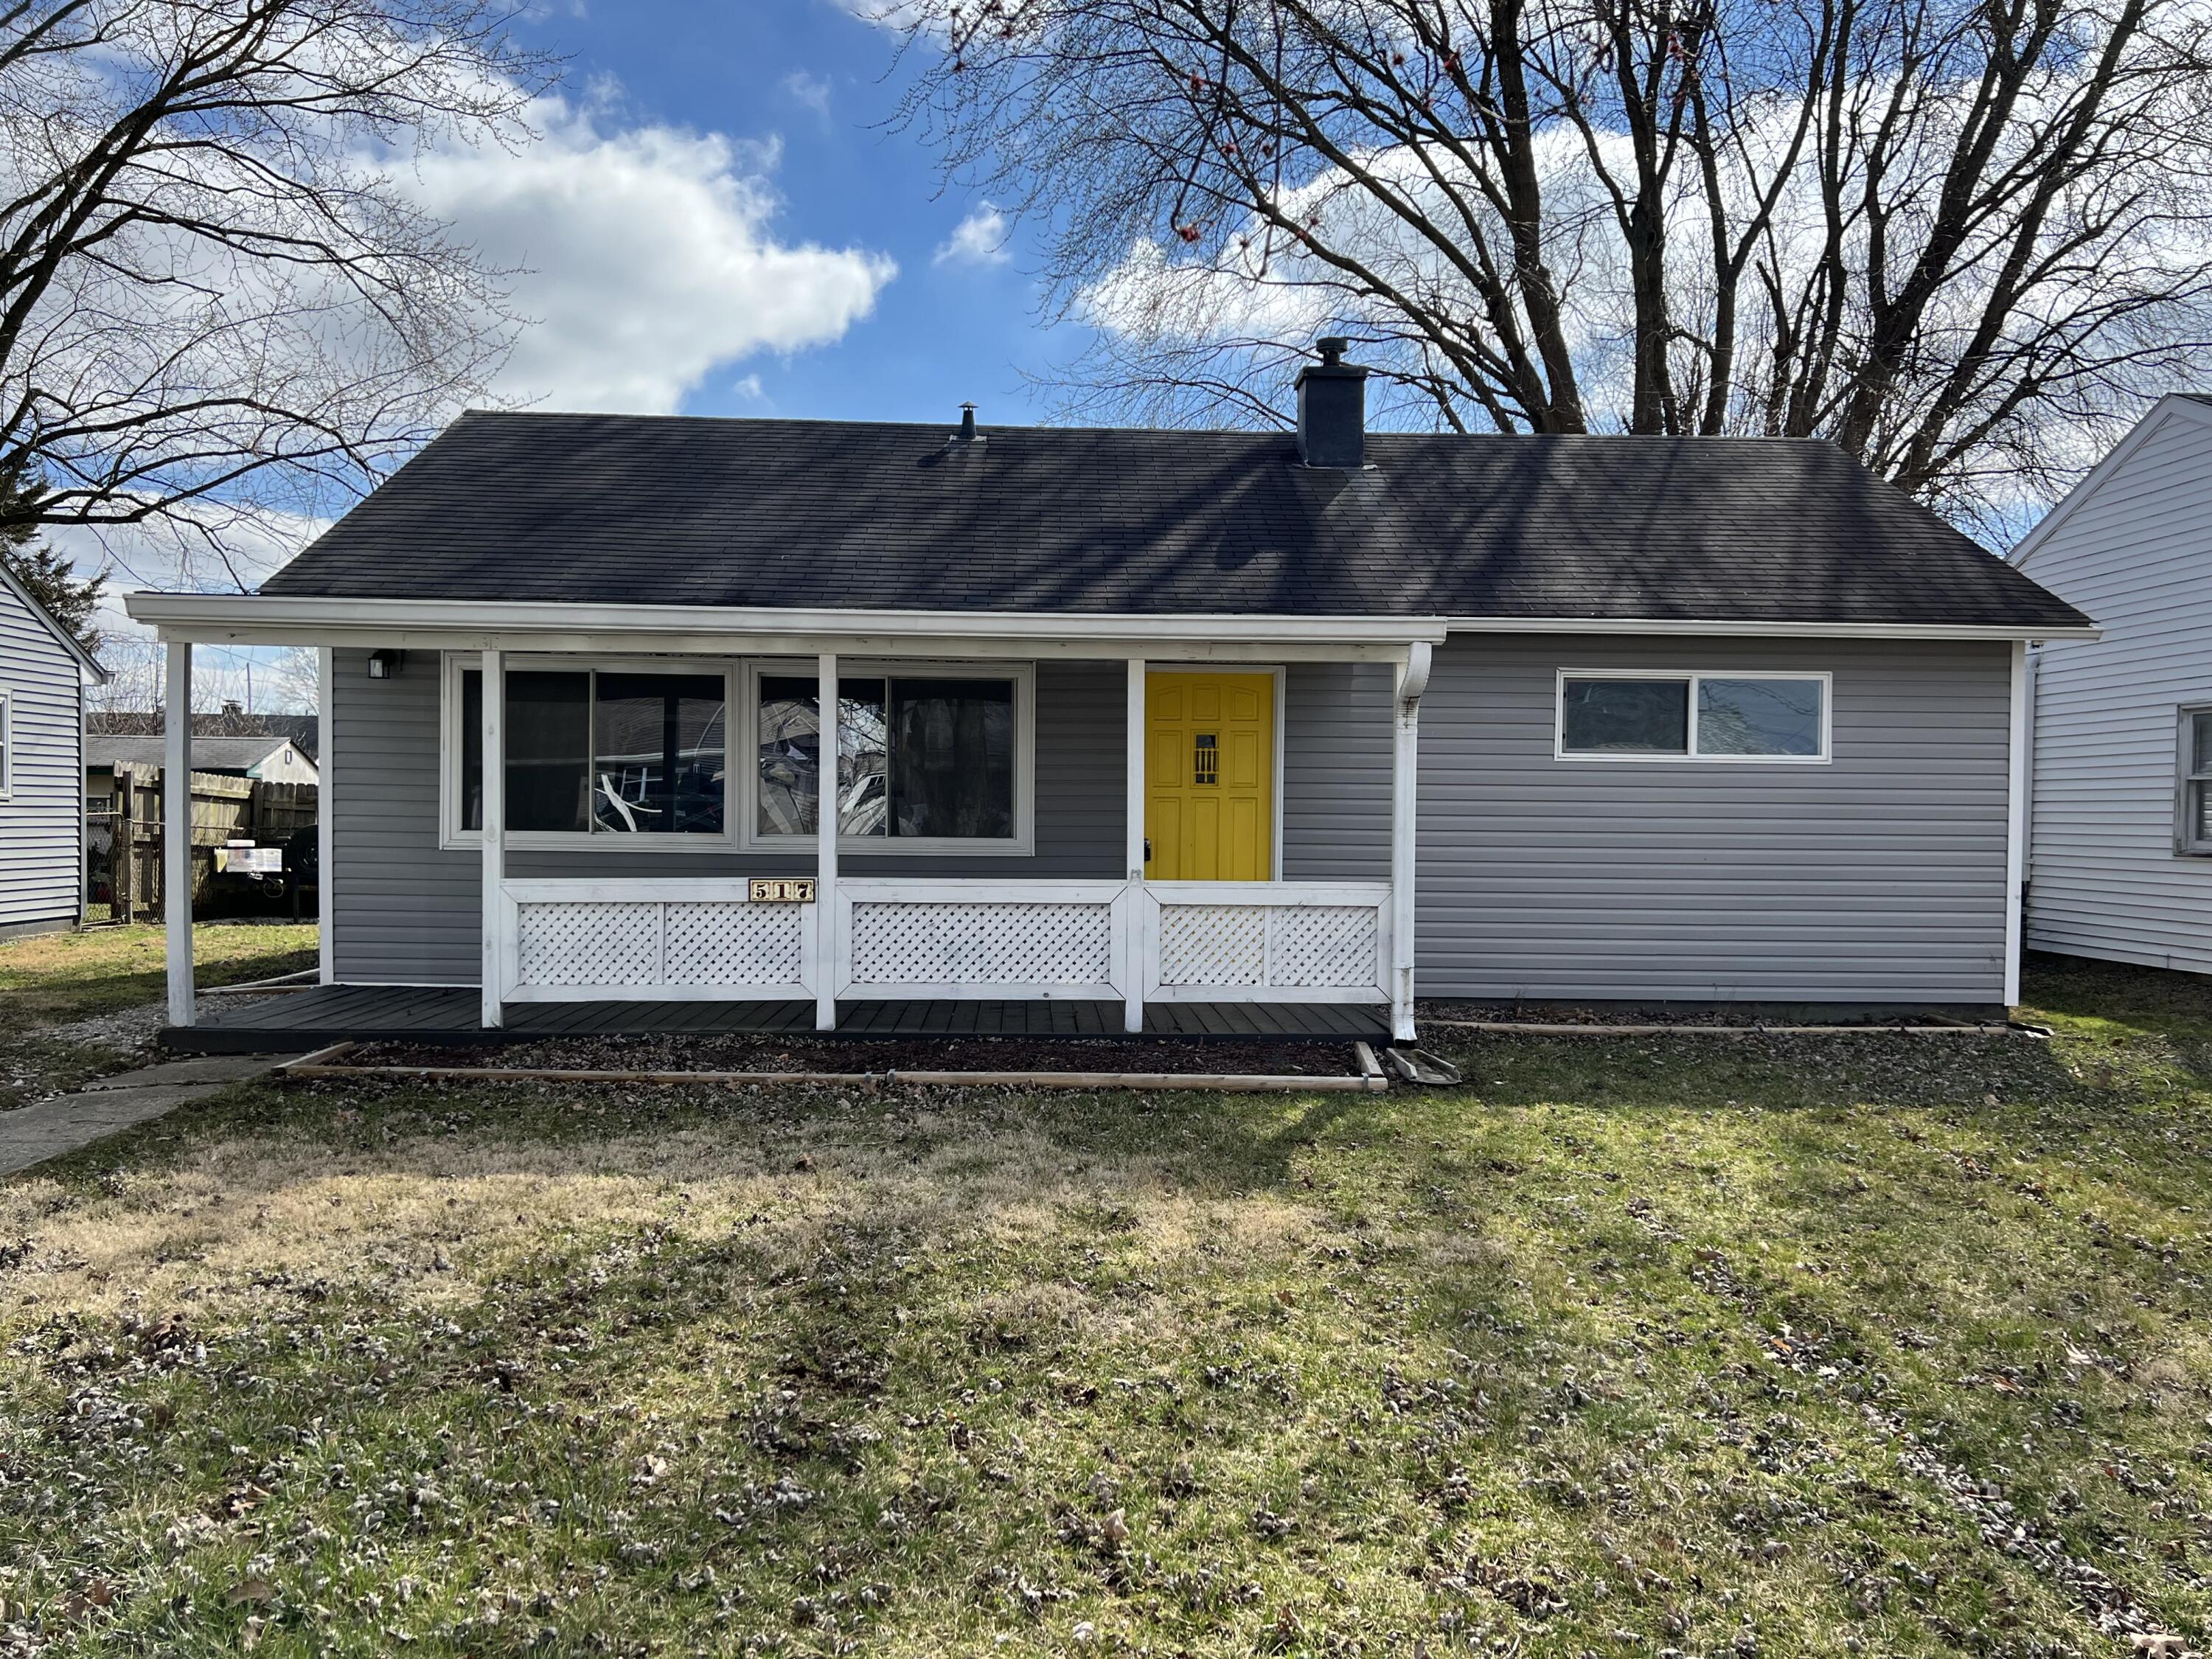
286	619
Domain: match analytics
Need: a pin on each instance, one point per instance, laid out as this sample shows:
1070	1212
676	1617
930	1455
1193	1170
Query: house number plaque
780	889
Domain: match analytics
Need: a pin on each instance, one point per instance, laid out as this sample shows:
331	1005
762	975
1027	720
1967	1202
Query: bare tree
219	313
1962	238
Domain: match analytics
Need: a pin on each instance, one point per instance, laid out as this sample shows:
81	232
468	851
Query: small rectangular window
1759	717
1632	717
1691	716
2192	806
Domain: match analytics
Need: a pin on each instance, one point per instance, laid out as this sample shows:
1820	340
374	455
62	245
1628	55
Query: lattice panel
1213	944
583	944
980	942
1322	945
713	943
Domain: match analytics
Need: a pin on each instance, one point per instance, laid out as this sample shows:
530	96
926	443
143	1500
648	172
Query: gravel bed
680	1053
1525	1014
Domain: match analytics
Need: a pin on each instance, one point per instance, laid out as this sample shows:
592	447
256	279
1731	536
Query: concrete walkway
32	1134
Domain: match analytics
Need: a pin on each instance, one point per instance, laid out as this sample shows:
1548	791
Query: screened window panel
952	758
658	759
472	749
920	756
1626	717
1759	717
549	750
2201	746
788	730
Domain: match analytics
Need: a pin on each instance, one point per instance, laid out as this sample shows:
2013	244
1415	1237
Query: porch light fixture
385	665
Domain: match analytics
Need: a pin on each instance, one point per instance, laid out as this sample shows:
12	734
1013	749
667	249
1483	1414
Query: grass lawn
53	980
1879	1344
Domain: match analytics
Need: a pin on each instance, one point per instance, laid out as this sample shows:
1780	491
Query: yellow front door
1209	776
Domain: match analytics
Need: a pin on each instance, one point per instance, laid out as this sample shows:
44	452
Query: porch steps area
342	1013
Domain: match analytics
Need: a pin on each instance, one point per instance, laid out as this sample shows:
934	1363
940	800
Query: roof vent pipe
967	435
1333	409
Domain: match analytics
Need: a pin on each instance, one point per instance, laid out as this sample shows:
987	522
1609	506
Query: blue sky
810	78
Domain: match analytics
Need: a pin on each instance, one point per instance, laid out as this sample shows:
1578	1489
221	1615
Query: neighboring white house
2120	850
270	757
42	674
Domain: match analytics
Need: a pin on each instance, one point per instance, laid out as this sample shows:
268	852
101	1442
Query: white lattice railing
1229	941
1011	939
581	941
578	941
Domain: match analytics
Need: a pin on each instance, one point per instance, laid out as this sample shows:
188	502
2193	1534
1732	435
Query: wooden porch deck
344	1013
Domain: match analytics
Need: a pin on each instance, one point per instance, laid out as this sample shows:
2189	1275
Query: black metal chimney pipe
1333	409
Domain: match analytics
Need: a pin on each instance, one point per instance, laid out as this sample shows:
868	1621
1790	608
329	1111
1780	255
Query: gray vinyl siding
1336	772
406	910
1877	878
2136	553
41	823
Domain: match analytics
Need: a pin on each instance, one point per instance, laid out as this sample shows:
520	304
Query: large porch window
611	751
930	757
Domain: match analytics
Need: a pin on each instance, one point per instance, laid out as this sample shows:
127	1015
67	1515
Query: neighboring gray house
42	674
1184	729
2120	854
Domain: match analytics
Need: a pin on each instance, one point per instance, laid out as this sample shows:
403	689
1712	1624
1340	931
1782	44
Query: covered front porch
817	926
322	1015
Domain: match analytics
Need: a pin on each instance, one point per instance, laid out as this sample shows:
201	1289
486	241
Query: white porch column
1413	678
493	793
326	816
826	973
1135	964
177	831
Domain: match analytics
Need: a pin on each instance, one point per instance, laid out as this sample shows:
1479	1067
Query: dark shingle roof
614	509
208	754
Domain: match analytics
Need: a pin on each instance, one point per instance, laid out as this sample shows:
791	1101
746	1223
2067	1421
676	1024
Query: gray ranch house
43	674
825	723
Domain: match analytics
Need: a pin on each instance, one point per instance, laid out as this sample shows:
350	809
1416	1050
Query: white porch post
1413	678
1133	965
825	842
493	794
326	816
177	831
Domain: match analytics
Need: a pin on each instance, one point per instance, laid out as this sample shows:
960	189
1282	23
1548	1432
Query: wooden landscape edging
320	1064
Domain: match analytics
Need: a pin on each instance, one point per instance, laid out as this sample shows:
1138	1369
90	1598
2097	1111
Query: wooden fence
123	843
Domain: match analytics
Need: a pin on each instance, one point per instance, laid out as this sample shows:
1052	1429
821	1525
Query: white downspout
1412	679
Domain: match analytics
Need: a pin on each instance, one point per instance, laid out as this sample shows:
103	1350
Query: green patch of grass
1731	1346
50	980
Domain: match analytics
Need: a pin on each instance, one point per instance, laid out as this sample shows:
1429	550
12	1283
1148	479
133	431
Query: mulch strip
678	1053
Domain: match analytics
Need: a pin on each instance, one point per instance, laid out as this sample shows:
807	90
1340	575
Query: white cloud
978	239
808	92
647	258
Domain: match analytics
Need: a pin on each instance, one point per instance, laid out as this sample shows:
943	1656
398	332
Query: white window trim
1691	756
452	835
1021	844
7	745
2185	844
